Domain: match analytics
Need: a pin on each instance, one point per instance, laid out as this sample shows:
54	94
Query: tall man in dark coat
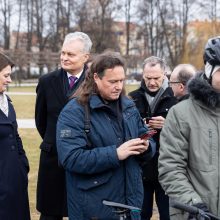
154	99
53	92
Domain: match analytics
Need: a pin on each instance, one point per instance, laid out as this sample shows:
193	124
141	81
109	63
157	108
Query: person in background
14	166
102	164
153	99
179	78
189	154
53	92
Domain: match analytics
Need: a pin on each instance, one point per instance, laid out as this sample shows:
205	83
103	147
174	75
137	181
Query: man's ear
164	76
182	86
95	77
86	57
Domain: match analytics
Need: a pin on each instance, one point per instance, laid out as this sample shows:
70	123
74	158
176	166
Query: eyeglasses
174	82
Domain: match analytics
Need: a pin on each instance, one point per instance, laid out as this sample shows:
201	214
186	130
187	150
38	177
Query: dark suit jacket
52	95
13	170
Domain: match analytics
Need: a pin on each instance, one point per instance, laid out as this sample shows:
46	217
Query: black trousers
45	217
152	188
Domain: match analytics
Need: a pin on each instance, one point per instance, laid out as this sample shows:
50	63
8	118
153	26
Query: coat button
12	147
11	135
95	182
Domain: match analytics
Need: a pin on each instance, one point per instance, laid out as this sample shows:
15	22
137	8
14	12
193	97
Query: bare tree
150	20
165	28
212	8
19	23
95	18
6	10
30	23
128	20
42	28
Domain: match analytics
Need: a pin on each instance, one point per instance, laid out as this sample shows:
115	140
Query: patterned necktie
4	104
72	81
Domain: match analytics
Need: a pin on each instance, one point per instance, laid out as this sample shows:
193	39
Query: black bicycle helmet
212	51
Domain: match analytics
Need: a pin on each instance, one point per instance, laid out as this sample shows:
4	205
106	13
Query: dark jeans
44	217
162	201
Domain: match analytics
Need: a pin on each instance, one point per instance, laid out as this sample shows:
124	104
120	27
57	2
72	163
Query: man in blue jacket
104	163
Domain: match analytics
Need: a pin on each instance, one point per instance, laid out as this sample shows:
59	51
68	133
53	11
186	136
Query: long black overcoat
14	168
52	96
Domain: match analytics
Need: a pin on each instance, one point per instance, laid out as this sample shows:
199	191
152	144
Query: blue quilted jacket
93	171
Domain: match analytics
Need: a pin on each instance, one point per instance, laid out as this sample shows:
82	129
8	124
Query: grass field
128	88
24	106
31	141
21	89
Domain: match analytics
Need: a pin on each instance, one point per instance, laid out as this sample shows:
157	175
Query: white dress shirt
4	103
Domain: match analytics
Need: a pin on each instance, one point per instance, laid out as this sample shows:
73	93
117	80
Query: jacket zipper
210	147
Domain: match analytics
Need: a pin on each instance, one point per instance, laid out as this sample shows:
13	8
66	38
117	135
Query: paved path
26	123
21	93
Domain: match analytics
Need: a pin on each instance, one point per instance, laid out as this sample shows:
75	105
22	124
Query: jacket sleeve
150	152
21	152
73	152
41	109
173	159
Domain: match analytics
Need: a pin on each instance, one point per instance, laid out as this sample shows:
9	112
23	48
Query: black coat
52	95
13	170
166	101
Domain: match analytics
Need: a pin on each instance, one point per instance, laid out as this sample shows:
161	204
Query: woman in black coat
14	166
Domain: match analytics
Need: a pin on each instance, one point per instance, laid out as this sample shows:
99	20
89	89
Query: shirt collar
77	75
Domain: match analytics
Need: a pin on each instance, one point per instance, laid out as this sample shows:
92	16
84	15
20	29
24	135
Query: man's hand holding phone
132	147
156	122
148	135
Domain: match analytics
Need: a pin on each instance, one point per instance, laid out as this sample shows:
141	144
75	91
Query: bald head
179	78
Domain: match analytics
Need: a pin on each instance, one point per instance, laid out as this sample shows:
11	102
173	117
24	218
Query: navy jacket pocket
86	182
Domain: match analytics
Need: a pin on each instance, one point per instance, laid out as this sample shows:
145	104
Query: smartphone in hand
148	135
147	119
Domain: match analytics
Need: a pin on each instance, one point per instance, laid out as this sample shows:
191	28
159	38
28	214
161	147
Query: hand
132	147
156	122
201	206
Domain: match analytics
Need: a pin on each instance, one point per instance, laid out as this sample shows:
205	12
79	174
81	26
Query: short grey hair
82	37
153	61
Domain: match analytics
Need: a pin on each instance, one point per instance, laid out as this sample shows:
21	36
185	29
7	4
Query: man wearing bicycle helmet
189	153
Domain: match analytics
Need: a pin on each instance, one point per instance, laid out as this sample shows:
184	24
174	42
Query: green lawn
24	105
31	142
128	88
21	89
131	87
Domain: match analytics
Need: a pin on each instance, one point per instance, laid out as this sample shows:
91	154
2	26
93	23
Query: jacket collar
57	83
202	91
11	114
96	102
